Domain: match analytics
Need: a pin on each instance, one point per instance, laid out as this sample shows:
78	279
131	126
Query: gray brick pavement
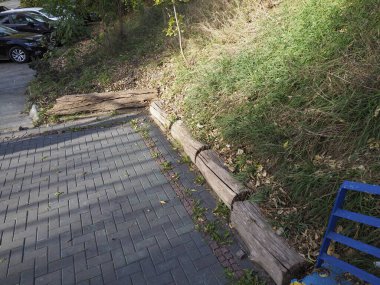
84	208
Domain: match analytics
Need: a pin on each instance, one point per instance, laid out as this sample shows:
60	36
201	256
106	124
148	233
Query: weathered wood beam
159	115
190	146
266	248
217	176
102	102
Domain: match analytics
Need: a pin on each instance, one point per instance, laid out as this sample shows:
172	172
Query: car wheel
18	55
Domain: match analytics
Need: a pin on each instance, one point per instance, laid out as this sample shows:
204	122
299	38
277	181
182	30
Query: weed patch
200	180
248	278
222	211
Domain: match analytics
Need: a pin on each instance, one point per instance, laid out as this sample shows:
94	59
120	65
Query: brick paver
85	207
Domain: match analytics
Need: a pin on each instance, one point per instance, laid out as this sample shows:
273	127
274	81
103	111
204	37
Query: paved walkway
85	207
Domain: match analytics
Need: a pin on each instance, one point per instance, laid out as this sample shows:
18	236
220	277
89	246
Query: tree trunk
121	19
179	33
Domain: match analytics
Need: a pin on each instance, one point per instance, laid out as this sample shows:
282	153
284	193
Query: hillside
287	92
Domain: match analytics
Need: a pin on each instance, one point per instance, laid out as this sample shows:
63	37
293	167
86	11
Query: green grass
302	99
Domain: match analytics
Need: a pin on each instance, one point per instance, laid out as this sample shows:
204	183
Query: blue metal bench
339	213
335	265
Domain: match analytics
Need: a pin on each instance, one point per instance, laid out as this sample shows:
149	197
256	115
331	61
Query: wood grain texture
266	248
182	135
102	102
159	116
218	177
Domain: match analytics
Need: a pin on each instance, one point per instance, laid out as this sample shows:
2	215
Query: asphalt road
14	80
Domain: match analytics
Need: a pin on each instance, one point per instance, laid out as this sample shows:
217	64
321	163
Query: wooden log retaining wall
265	247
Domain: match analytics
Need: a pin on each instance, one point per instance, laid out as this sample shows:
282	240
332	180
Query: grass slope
299	110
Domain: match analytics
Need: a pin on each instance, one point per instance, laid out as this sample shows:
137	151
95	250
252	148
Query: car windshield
7	31
38	17
46	13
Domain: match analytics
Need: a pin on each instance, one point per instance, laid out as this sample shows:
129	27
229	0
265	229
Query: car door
5	21
21	22
3	45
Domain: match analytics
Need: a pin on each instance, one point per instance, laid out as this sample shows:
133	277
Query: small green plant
217	232
156	154
229	274
135	124
144	132
221	210
200	180
54	119
139	127
185	159
175	176
172	118
189	192
175	145
65	118
58	194
248	278
198	212
114	113
75	129
167	165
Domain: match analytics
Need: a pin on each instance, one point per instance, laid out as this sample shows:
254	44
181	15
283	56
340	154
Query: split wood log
266	248
217	176
181	134
102	102
159	116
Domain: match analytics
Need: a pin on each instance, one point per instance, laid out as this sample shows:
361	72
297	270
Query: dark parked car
3	8
20	47
26	22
